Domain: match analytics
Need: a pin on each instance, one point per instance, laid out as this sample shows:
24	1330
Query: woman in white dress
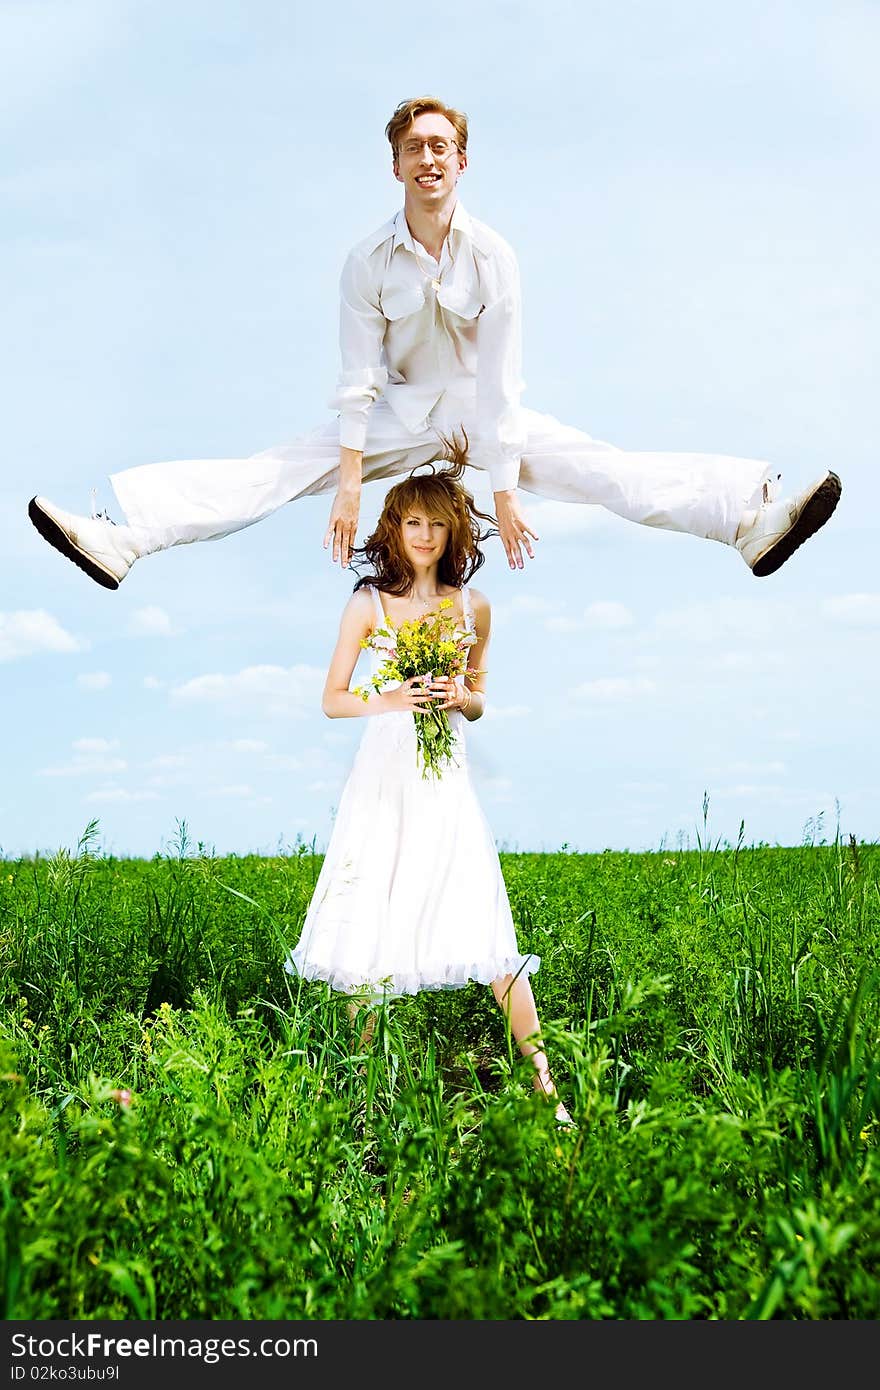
410	895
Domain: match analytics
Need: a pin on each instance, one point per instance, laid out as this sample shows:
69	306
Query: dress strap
468	608
377	604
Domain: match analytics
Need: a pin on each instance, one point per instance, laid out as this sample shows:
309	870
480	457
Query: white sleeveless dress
410	895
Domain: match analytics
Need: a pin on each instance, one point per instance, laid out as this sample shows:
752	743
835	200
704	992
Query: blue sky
691	190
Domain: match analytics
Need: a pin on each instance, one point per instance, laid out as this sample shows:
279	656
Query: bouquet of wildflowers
433	645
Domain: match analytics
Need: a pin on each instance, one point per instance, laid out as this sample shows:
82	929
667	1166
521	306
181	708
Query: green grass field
710	1014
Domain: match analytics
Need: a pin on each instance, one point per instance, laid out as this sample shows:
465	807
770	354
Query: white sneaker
767	537
105	551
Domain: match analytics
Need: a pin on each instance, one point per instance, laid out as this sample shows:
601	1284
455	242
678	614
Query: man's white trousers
189	500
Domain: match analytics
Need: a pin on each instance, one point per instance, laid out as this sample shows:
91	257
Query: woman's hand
414	696
453	695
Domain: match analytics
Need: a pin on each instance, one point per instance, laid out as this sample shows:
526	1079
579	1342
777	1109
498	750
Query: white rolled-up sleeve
362	375
500	434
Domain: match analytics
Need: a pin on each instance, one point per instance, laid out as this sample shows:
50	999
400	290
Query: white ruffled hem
400	983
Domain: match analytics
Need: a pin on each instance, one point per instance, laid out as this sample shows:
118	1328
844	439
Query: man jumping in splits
430	342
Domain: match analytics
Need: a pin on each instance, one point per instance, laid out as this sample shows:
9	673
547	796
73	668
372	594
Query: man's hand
513	528
342	526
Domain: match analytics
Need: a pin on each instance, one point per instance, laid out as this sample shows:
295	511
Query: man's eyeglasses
439	147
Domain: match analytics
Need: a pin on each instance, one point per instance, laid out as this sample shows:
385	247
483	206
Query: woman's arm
471	699
476	685
337	701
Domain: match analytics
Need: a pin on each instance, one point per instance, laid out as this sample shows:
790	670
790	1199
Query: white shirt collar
460	222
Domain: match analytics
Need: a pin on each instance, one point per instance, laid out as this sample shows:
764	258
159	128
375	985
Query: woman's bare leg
517	1002
353	1007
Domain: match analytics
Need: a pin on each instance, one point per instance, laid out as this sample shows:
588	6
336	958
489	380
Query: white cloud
510	609
86	763
854	610
274	689
120	794
615	688
248	745
726	618
170	779
95	745
174	770
606	613
31	630
240	790
90	756
507	711
528	603
94	680
151	622
153	683
749	661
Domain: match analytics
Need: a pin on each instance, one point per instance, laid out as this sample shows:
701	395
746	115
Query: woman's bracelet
481	705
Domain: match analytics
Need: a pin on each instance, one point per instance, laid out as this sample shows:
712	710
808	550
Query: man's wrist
350	471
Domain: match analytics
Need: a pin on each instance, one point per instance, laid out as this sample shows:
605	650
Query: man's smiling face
428	161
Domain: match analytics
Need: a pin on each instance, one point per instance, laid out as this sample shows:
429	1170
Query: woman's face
425	537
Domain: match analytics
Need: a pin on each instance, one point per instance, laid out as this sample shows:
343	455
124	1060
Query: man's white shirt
415	330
